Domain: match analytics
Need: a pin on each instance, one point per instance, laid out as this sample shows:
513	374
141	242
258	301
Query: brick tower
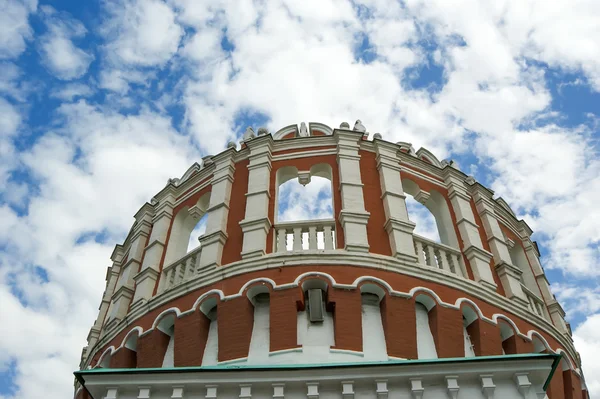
357	304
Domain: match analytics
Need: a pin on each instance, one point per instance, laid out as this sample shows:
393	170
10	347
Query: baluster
281	240
171	277
190	269
297	238
442	258
431	261
458	266
177	269
327	238
449	258
312	237
419	252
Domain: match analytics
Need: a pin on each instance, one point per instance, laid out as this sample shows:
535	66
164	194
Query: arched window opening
508	336
196	233
211	349
468	316
304	196
519	259
105	361
425	342
167	326
374	345
430	210
260	340
185	222
315	322
538	345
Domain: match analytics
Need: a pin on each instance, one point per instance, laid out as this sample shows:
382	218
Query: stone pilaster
478	257
256	223
538	272
145	280
509	274
112	275
353	215
214	238
398	226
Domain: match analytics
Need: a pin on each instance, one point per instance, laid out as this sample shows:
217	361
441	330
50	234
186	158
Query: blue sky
102	102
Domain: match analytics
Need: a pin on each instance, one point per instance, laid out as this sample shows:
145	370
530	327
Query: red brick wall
236	319
399	325
447	329
123	358
485	338
555	389
347	318
151	349
572	385
237	211
379	241
191	333
515	344
283	309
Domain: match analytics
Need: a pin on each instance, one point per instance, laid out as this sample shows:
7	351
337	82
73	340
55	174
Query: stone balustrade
305	235
440	256
180	271
534	303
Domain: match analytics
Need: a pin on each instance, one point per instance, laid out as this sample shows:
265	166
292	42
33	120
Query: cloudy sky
101	102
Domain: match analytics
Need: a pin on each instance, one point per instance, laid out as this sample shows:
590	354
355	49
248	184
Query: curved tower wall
358	287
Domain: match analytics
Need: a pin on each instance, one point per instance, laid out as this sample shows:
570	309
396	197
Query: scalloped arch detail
428	156
415	291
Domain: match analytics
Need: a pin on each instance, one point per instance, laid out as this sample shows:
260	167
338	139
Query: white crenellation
312	390
416	387
381	389
278	390
487	385
347	389
211	391
215	236
452	385
478	257
245	391
353	215
256	224
143	393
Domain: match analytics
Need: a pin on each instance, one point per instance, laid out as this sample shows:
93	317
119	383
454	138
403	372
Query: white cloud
14	27
60	55
587	342
298	202
72	91
142	32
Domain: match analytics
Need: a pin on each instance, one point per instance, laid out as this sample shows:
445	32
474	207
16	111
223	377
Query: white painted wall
211	350
169	359
469	352
316	338
259	343
425	343
374	347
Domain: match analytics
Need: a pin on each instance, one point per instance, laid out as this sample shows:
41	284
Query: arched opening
167	326
374	345
196	233
538	345
260	339
315	323
303	196
519	259
508	336
430	209
211	349
468	316
425	342
187	220
105	361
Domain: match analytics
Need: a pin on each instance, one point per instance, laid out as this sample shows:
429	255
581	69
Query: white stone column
215	236
538	271
256	223
398	226
509	274
478	257
145	280
353	215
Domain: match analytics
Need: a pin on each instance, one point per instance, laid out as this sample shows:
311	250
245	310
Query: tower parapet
359	287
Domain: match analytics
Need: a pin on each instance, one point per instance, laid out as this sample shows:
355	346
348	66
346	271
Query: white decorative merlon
245	391
345	125
359	127
248	134
452	385
143	393
278	391
211	391
111	393
487	385
416	387
381	389
348	389
523	384
312	390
